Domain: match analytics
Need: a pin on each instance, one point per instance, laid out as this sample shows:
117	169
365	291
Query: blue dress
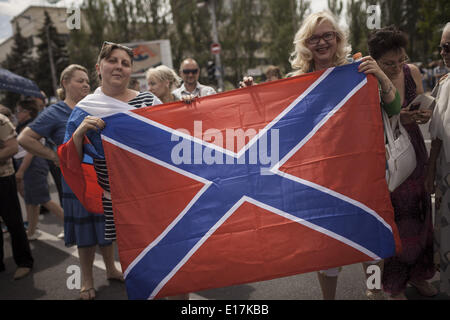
35	177
81	228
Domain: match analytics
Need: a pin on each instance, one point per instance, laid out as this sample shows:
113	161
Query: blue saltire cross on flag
195	209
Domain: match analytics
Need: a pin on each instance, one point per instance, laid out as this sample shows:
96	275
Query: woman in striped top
114	70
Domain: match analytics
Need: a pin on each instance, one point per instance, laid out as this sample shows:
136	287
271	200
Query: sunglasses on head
187	71
120	46
445	47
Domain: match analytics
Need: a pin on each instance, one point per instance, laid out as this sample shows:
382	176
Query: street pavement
48	280
49	277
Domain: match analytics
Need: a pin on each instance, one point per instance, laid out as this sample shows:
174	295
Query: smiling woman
319	44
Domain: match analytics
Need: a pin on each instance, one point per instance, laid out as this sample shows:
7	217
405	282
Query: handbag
400	154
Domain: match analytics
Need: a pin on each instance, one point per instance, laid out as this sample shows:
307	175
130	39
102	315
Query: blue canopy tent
12	82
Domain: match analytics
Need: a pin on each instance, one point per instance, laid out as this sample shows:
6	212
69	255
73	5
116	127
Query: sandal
375	294
400	296
424	288
87	294
118	278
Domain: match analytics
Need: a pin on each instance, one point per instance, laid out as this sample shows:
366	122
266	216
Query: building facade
30	22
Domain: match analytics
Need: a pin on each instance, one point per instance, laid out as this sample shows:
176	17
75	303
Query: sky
11	8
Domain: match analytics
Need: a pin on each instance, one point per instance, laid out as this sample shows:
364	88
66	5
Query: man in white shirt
190	72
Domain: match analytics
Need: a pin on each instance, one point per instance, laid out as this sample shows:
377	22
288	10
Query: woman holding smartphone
411	202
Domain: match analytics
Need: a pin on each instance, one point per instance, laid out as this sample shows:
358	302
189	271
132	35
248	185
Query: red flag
299	187
81	177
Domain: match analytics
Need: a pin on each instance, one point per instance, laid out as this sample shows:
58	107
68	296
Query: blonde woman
320	43
82	228
162	81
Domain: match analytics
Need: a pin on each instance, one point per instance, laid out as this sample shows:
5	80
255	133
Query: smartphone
414	107
421	102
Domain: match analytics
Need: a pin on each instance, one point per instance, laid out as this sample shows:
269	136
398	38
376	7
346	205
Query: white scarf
100	105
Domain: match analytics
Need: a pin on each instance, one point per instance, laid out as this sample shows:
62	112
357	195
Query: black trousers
12	217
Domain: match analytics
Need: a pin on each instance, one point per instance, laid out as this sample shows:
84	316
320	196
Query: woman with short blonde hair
162	80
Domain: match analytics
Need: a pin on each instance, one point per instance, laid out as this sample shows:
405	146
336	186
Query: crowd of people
320	43
431	73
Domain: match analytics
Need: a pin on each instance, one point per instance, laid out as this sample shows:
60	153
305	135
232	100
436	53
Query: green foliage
49	36
358	32
434	15
190	35
421	20
240	29
252	33
248	29
336	7
19	61
280	26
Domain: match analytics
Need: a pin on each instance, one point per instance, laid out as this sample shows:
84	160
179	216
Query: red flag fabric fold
81	177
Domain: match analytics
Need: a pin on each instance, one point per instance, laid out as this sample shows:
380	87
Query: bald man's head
189	72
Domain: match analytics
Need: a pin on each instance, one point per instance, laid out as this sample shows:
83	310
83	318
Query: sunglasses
445	47
119	46
187	71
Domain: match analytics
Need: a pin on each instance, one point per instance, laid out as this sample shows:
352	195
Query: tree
240	31
155	15
434	15
53	57
251	32
83	52
335	6
84	44
19	61
357	21
123	24
97	15
191	33
421	20
280	27
180	39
